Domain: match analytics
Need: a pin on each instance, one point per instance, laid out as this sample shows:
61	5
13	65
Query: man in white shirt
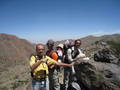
73	53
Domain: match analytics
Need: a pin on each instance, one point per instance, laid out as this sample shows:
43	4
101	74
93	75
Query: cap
50	42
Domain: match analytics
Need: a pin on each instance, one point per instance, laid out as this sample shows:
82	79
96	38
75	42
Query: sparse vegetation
18	83
3	88
115	46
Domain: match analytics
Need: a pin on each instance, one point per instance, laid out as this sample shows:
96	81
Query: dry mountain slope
13	49
88	43
90	40
14	55
114	37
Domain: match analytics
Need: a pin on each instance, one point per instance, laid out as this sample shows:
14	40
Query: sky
40	20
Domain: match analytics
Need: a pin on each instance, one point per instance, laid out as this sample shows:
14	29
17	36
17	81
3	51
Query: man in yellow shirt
39	64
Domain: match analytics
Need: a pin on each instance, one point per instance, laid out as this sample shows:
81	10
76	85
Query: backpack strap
74	52
50	54
36	58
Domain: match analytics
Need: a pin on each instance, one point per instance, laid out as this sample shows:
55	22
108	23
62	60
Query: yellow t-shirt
42	66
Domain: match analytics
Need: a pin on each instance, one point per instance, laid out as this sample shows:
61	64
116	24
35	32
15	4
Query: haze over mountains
14	58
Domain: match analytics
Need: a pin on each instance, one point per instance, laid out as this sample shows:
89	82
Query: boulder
94	75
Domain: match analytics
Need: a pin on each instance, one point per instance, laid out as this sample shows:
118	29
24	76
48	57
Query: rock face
98	75
105	55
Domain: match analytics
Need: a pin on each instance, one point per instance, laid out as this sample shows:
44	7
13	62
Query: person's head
60	46
77	43
40	49
66	44
50	44
72	43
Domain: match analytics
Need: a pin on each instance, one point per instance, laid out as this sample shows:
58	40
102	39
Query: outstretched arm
65	65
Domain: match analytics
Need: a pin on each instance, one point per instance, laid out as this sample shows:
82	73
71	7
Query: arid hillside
13	49
14	58
14	55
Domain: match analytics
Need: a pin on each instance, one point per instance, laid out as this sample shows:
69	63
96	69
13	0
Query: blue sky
40	20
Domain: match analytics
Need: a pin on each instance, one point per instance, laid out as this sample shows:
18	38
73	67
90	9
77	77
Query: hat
60	45
50	42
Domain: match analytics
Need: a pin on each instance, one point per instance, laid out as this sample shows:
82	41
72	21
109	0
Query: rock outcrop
98	75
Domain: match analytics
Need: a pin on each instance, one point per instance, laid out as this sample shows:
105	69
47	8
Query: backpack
74	52
49	53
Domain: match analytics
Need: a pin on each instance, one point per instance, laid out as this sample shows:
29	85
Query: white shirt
69	51
60	54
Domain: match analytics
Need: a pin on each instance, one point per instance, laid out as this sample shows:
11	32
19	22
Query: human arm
35	63
81	56
64	65
51	62
69	55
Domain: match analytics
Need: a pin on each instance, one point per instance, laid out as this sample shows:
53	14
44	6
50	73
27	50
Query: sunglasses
78	43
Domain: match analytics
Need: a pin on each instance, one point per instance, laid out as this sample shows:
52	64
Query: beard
40	54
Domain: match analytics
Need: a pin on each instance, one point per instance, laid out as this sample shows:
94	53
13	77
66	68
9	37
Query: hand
44	60
72	64
52	66
80	57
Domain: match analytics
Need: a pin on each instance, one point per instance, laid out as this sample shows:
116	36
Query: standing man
73	53
39	64
53	76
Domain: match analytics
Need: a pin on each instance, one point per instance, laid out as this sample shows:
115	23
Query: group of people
46	65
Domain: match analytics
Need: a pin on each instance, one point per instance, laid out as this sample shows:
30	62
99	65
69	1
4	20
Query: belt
40	79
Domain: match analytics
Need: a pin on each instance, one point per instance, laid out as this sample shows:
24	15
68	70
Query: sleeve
32	60
51	61
54	56
69	55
